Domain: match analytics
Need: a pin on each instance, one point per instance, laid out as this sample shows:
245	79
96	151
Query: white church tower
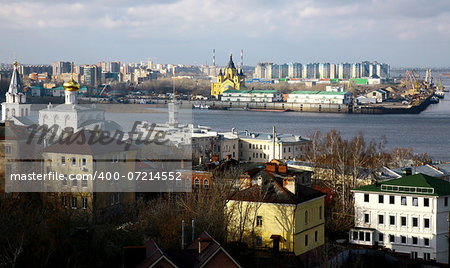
15	105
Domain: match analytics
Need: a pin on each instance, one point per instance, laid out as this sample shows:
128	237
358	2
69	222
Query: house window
7	149
84	182
366	218
426	241
63	160
366	197
414	240
403	200
64	180
415	201
426	256
426	223
381	199
380	237
392	220
368	237
306	217
446	201
391	199
117	198
403	239
74	161
315	236
426	202
259	241
403	221
380	219
206	184
64	200
259	221
391	238
83	162
196	183
355	235
84	202
361	236
306	240
74	182
320	212
413	254
74	202
415	222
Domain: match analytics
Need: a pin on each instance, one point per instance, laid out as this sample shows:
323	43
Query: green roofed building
408	215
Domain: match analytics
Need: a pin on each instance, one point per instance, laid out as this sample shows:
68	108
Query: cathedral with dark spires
229	78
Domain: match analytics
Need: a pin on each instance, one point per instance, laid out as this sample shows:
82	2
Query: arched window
206	183
196	183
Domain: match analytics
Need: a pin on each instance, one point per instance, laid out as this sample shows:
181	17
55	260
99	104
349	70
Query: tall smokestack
273	140
241	64
214	57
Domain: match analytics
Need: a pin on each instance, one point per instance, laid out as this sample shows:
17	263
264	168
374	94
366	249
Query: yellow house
94	174
278	213
230	78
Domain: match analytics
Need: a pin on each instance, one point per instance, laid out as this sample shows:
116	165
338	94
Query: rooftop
413	184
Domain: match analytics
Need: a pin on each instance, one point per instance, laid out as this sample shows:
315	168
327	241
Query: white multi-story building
320	97
246	146
409	215
252	95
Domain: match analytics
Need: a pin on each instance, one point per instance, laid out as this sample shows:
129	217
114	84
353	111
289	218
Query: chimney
282	168
203	243
271	167
245	182
289	184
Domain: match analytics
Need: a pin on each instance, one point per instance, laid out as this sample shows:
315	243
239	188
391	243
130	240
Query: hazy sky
398	32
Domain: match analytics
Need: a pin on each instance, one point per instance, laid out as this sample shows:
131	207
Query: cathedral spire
15	86
231	63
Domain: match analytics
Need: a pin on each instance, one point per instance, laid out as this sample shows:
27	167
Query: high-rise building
260	71
110	66
60	67
344	70
324	70
294	70
91	75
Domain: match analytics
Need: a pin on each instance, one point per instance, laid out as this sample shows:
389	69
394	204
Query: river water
427	132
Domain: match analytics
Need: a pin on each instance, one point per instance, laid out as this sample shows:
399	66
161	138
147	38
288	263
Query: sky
398	32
